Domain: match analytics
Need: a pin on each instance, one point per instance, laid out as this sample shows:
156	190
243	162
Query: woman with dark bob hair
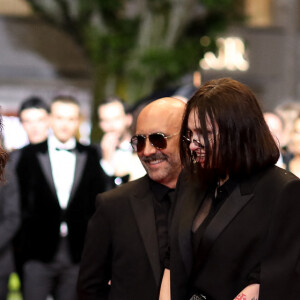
235	231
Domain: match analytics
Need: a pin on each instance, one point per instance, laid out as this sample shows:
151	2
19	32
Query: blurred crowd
284	124
34	242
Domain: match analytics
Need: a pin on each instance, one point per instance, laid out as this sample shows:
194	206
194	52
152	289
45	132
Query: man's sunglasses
157	140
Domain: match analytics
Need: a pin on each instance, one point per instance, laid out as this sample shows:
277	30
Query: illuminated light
230	56
118	181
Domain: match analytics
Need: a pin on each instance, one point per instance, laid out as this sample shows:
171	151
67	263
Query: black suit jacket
9	219
256	229
122	246
41	212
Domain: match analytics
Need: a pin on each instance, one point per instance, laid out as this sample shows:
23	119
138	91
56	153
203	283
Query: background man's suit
255	230
122	246
41	212
9	223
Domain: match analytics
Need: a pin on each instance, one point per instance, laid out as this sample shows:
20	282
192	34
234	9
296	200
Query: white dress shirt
63	163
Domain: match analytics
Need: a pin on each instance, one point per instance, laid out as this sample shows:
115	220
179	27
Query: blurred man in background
117	158
59	179
34	117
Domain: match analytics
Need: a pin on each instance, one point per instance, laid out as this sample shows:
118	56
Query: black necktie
64	149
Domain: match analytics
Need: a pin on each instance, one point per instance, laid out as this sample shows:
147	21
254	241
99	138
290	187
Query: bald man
126	254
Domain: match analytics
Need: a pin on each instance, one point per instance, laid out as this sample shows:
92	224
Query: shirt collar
159	190
227	188
53	143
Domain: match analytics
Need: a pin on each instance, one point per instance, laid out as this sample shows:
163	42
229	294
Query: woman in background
9	221
236	226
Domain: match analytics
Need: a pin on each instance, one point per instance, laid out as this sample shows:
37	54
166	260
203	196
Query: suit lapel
81	158
231	207
191	203
142	205
44	160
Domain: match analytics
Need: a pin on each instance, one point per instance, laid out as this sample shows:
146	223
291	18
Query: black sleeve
95	268
280	269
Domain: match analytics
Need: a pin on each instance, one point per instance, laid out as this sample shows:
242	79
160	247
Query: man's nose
149	148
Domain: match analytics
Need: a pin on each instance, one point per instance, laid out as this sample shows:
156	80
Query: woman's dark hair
242	143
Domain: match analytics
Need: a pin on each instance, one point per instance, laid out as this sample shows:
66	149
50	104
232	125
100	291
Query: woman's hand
251	292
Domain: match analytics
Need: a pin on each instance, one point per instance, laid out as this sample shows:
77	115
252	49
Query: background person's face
294	144
112	118
65	119
276	127
35	122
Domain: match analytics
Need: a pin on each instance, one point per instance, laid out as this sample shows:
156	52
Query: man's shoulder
90	149
30	149
35	147
97	148
15	154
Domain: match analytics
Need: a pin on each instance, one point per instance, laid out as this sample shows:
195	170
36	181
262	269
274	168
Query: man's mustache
153	157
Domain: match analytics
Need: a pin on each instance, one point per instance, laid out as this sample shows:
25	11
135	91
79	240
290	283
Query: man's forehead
31	113
161	116
152	125
65	110
33	110
114	107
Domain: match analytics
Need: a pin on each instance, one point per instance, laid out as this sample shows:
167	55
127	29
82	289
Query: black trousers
3	287
57	278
